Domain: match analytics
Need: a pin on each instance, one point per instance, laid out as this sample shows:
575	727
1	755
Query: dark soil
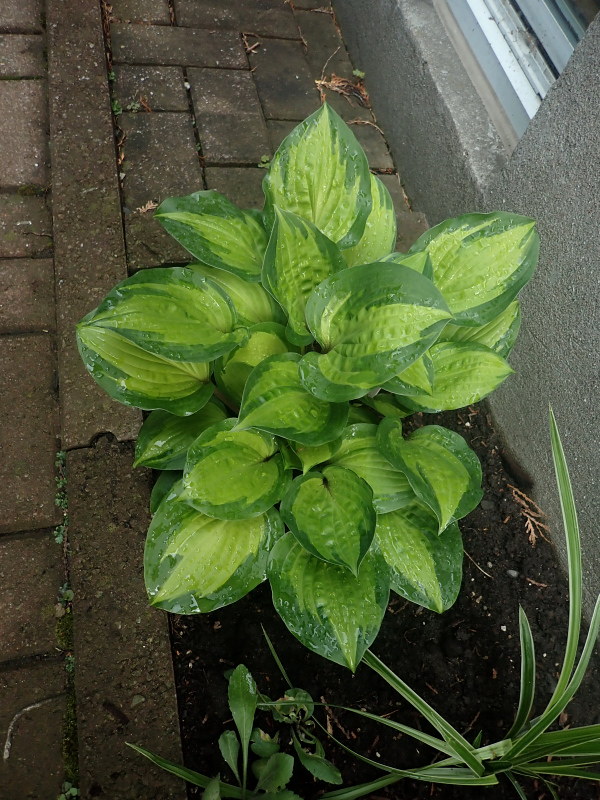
466	662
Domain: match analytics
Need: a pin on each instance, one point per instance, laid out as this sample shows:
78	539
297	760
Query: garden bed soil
466	662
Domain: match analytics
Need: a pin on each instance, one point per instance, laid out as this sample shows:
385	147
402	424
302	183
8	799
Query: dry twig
531	513
351	90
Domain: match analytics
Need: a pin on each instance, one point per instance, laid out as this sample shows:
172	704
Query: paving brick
32	706
229	117
186	47
28	433
25	226
123	680
27	295
162	88
242	185
374	146
411	224
161	160
21	56
325	49
152	12
23	122
31	572
260	17
285	85
23	16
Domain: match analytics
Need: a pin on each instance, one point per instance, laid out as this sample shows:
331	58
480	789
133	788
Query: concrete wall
452	160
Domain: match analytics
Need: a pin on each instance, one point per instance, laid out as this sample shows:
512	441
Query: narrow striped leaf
194	563
379	236
464	373
276	401
372	321
442	470
330	611
252	303
426	567
138	378
297	259
416	379
173	313
232	371
331	514
480	262
164	439
216	232
499	335
527	686
234	474
320	172
358	450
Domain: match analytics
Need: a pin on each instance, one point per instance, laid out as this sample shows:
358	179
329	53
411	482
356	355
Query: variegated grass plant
530	749
277	368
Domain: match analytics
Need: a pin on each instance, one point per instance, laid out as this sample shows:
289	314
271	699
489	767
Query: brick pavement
201	91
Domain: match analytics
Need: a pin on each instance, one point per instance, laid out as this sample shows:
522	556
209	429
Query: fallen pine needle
472	560
537	583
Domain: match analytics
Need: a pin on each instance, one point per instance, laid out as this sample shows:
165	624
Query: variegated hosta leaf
499	335
252	303
464	373
372	321
311	456
330	611
442	469
195	563
138	378
297	259
360	414
426	568
216	232
232	474
320	172
358	450
276	401
416	379
425	267
172	313
162	487
481	261
232	371
164	439
331	514
379	236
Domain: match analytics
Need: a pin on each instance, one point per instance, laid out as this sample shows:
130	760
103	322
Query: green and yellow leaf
379	236
216	232
499	335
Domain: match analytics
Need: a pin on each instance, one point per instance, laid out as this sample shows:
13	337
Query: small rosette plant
277	368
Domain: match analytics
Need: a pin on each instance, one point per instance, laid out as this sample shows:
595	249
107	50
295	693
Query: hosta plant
277	367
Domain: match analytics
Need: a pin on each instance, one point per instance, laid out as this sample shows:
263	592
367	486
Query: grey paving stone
123	680
285	84
23	122
32	702
411	224
21	56
186	47
229	117
28	433
31	572
25	226
260	17
161	160
242	185
162	88
152	12
27	295
325	49
22	16
374	146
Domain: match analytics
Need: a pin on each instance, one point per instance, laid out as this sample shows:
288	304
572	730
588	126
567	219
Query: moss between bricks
64	638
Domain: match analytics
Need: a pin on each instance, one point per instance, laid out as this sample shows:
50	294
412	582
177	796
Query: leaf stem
226	401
